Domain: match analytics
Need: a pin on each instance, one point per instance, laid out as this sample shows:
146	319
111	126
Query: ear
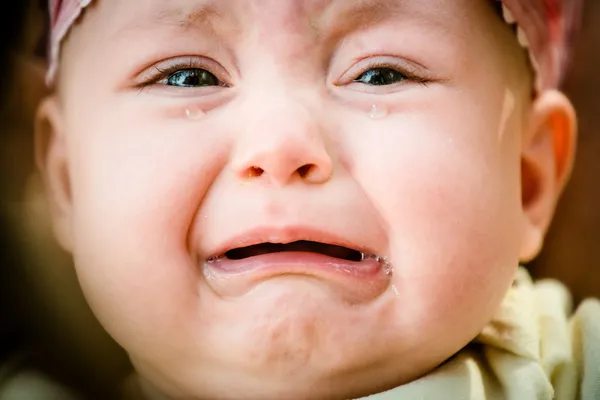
52	161
548	153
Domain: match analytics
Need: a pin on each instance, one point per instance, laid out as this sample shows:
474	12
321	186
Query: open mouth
354	275
304	246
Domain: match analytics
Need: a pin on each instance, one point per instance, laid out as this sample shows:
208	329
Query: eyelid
160	70
412	70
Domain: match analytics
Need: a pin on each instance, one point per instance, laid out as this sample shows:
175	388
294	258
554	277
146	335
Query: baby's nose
283	149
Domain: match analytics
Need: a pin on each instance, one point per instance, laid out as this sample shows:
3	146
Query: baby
319	199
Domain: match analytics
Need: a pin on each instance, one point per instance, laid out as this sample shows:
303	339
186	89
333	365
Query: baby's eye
191	77
380	77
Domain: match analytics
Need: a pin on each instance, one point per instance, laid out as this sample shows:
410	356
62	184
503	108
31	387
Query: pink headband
545	27
63	14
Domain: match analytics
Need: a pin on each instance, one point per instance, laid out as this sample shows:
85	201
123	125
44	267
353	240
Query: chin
284	364
234	384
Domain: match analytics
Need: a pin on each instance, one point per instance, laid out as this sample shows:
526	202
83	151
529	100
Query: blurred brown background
572	250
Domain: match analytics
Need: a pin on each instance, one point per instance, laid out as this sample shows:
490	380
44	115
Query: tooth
508	15
522	36
366	256
215	259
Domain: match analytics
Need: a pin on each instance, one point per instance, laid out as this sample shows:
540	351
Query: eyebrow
203	16
343	17
330	20
200	16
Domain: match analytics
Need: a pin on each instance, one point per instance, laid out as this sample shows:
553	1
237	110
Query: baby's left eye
191	77
380	77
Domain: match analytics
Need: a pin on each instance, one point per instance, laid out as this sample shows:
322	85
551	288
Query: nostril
255	172
305	170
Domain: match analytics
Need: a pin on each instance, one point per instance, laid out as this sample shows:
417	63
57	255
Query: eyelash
411	74
180	65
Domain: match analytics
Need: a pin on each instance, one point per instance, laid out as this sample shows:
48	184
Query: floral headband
544	27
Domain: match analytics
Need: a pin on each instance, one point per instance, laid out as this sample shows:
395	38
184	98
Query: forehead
182	10
286	15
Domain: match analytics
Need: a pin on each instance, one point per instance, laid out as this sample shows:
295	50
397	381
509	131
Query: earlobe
52	162
548	152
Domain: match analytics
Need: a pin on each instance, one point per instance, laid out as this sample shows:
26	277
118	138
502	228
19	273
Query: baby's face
195	129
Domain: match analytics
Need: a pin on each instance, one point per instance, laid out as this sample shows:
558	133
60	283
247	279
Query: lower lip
356	282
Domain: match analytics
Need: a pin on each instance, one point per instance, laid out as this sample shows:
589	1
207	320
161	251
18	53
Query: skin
454	186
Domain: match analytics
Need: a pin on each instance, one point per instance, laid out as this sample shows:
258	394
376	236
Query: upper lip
285	235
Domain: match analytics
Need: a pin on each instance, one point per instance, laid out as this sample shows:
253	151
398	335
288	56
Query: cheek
137	184
447	185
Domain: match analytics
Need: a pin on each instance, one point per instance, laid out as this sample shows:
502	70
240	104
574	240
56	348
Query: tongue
300	246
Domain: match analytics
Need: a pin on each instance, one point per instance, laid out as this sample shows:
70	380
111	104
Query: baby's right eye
191	77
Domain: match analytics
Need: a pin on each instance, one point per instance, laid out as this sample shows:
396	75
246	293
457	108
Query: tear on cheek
189	112
508	109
